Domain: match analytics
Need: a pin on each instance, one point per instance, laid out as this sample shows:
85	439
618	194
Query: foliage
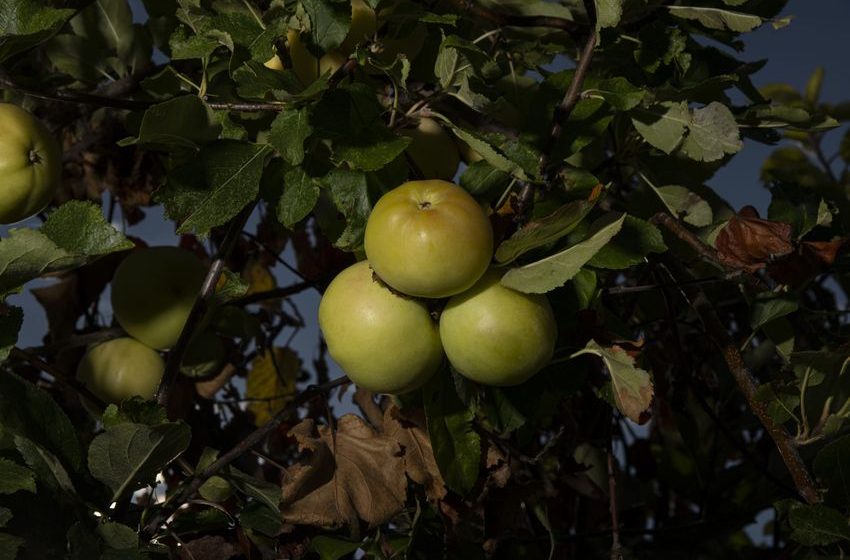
718	330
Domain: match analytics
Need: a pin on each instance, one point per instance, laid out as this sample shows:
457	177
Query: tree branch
275	293
252	439
199	308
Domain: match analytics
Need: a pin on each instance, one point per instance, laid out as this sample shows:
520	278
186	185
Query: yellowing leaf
271	383
258	276
633	391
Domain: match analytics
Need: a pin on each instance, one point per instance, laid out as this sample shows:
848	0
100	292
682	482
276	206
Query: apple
467	153
497	336
153	291
429	239
307	67
433	151
404	33
384	342
30	164
121	368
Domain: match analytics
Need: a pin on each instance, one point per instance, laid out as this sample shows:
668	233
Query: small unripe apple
497	336
384	342
433	151
153	291
30	164
121	368
429	239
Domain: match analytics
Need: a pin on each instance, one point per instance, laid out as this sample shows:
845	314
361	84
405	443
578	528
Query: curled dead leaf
748	242
408	429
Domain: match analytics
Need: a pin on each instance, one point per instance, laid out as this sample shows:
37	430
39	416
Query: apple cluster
425	241
153	291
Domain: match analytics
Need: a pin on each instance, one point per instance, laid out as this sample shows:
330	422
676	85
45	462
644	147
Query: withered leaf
409	430
748	242
209	548
351	473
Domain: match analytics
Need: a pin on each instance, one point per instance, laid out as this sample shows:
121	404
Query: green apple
121	368
384	342
307	67
433	151
497	336
429	239
30	164
403	33
153	291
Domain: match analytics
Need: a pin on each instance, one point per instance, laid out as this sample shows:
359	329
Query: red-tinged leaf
748	242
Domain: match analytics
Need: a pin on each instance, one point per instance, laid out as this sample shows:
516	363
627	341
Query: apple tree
582	351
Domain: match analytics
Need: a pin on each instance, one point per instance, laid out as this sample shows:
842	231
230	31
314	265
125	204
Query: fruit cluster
430	240
153	291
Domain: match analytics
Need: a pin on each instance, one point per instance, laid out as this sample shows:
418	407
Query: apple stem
33	156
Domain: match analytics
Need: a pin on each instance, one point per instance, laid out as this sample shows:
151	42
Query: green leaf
134	410
552	272
543	231
712	133
73	235
288	132
636	239
210	191
331	548
685	204
457	446
330	22
260	517
489	153
32	414
765	310
813	86
832	467
5	516
46	466
608	13
265	492
481	178
9	544
14	477
716	18
662	125
107	24
349	193
300	194
216	489
633	392
27	23
127	457
817	525
617	92
185	122
11	319
118	536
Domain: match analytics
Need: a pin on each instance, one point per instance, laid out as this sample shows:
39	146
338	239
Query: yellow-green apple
384	342
153	291
429	239
497	336
433	151
30	164
121	368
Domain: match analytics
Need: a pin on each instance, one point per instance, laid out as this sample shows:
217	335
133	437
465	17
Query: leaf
349	193
831	467
210	191
271	382
817	525
662	125
330	548
618	92
329	22
129	456
5	516
14	477
633	392
288	132
48	469
608	13
107	24
749	242
716	18
185	122
765	310
117	535
134	410
263	491
351	474
685	204
32	414
456	444
259	517
409	429
72	235
543	231
27	23
635	240
9	544
11	319
712	133
300	194
209	547
552	272
489	153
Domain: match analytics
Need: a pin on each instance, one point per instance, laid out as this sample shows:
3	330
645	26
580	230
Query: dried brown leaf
350	474
208	548
409	430
748	242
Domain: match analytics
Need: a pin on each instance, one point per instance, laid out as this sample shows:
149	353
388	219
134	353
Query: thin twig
192	485
616	547
274	293
199	308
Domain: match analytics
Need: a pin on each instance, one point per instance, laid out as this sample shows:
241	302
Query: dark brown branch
616	547
59	375
707	252
192	485
199	308
275	293
504	19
